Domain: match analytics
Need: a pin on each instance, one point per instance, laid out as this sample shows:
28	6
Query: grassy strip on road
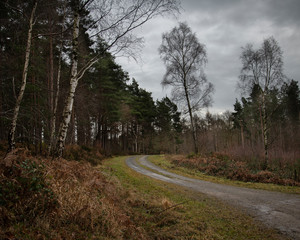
161	161
167	211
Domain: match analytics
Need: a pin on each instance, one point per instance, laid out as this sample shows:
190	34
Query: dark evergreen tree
291	101
239	119
168	125
143	112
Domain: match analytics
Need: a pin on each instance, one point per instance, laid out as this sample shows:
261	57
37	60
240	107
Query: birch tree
11	136
54	112
184	57
264	68
114	22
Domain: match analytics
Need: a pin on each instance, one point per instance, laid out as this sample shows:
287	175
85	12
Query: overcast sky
224	26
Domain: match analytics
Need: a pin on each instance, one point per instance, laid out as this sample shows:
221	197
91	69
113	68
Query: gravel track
276	210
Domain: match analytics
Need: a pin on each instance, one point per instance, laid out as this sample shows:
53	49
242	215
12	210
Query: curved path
277	210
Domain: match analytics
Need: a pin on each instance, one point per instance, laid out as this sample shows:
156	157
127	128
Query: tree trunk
98	135
53	118
36	118
265	132
51	82
62	134
122	137
242	135
1	126
39	125
73	130
104	134
261	122
51	73
215	136
11	136
191	119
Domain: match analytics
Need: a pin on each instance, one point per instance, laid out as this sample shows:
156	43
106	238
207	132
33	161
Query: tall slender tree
57	92
168	125
239	120
263	68
11	136
184	57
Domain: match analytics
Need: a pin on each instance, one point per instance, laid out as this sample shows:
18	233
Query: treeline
240	132
108	110
60	83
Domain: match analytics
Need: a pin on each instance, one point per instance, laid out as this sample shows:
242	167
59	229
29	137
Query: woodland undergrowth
234	168
41	198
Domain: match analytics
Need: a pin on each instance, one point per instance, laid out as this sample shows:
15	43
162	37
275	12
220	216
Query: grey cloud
224	26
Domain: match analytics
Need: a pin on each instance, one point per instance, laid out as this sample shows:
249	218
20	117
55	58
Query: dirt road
277	210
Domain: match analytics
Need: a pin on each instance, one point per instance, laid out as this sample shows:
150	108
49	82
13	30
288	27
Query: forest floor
277	210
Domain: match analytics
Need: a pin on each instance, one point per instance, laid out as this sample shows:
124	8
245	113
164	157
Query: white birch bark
62	133
53	119
11	136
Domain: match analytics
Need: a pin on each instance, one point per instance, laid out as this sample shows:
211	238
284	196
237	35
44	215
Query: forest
60	85
71	118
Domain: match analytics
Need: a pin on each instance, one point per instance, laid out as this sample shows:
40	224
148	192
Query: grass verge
166	211
163	162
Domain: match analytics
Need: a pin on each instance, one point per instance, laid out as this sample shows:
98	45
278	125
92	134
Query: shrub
83	153
24	191
60	199
217	164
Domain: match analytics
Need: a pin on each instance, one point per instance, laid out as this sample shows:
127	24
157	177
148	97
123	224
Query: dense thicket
110	111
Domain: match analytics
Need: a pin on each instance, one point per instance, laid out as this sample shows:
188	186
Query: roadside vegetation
220	168
41	198
45	199
172	212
